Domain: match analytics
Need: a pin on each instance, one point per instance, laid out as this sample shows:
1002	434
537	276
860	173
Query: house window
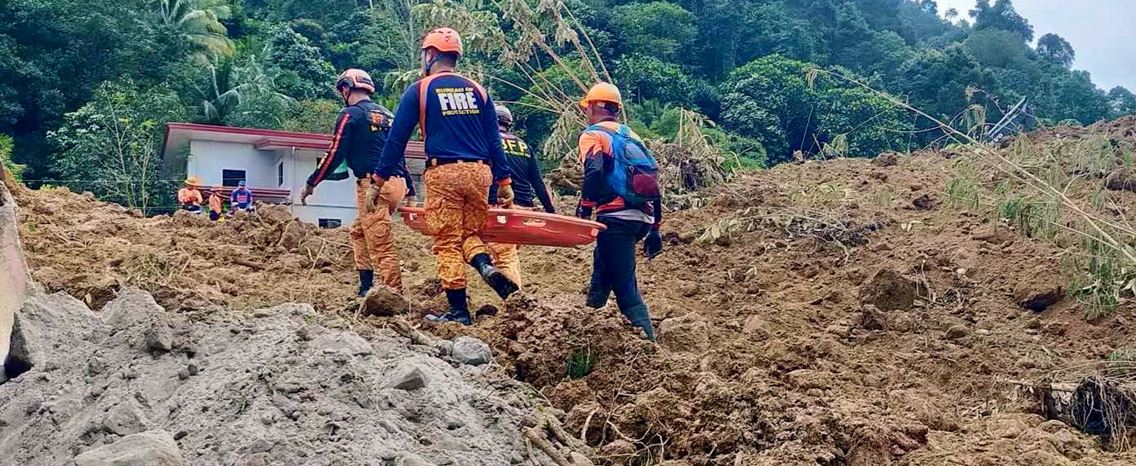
330	222
231	178
280	174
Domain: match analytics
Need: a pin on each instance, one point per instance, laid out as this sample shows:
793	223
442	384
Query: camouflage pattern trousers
457	206
372	242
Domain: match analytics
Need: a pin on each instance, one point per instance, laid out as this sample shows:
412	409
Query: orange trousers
372	242
457	206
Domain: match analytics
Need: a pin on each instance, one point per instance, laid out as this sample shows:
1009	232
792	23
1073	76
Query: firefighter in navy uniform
357	142
464	158
527	184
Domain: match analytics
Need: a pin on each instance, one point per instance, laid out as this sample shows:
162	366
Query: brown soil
820	313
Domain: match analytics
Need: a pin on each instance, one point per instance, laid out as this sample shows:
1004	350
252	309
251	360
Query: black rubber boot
493	276
366	279
459	309
595	299
639	317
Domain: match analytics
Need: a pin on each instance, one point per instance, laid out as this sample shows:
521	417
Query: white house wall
207	159
333	199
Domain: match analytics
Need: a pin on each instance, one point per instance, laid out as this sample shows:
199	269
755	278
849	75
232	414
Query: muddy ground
839	313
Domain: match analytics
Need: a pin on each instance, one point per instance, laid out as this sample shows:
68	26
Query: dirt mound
281	386
92	249
839	313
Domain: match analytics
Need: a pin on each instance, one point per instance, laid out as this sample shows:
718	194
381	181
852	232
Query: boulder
470	350
685	333
408	377
1037	296
384	302
150	448
888	290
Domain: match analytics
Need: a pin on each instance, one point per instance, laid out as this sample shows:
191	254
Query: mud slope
278	386
838	312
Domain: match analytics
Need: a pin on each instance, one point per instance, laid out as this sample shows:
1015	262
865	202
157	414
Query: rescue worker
360	131
241	198
463	158
215	203
189	197
613	261
527	183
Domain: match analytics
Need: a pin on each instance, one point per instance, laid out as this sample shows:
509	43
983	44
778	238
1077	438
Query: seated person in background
215	203
241	198
189	198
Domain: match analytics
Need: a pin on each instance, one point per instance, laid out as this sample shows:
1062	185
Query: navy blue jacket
457	122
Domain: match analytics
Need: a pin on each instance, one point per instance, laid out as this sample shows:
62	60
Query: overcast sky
1103	32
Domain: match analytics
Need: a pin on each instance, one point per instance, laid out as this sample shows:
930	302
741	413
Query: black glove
584	212
653	244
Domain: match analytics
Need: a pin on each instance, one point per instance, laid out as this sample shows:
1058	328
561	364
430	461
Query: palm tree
199	22
230	84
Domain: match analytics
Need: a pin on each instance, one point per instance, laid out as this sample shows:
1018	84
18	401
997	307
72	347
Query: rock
159	337
469	350
150	448
292	236
886	159
1037	296
887	290
486	310
408	377
27	347
993	235
924	202
957	331
384	302
872	318
132	306
342	343
125	418
685	333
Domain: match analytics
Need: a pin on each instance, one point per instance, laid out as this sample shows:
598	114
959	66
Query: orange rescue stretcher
521	227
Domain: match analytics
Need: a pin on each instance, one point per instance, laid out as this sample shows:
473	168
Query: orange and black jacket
595	155
456	119
359	135
527	182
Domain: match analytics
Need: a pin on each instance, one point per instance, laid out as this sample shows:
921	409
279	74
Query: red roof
179	134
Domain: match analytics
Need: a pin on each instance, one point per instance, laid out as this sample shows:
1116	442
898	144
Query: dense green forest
85	87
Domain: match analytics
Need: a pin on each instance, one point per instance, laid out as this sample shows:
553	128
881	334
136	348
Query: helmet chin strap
429	63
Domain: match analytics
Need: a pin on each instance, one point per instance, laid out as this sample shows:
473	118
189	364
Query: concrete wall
207	159
332	199
14	282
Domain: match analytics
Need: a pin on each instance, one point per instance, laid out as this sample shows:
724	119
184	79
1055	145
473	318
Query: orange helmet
355	79
443	40
603	92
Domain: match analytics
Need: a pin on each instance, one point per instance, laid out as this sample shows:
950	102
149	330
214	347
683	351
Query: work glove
584	212
307	191
653	244
505	195
371	198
